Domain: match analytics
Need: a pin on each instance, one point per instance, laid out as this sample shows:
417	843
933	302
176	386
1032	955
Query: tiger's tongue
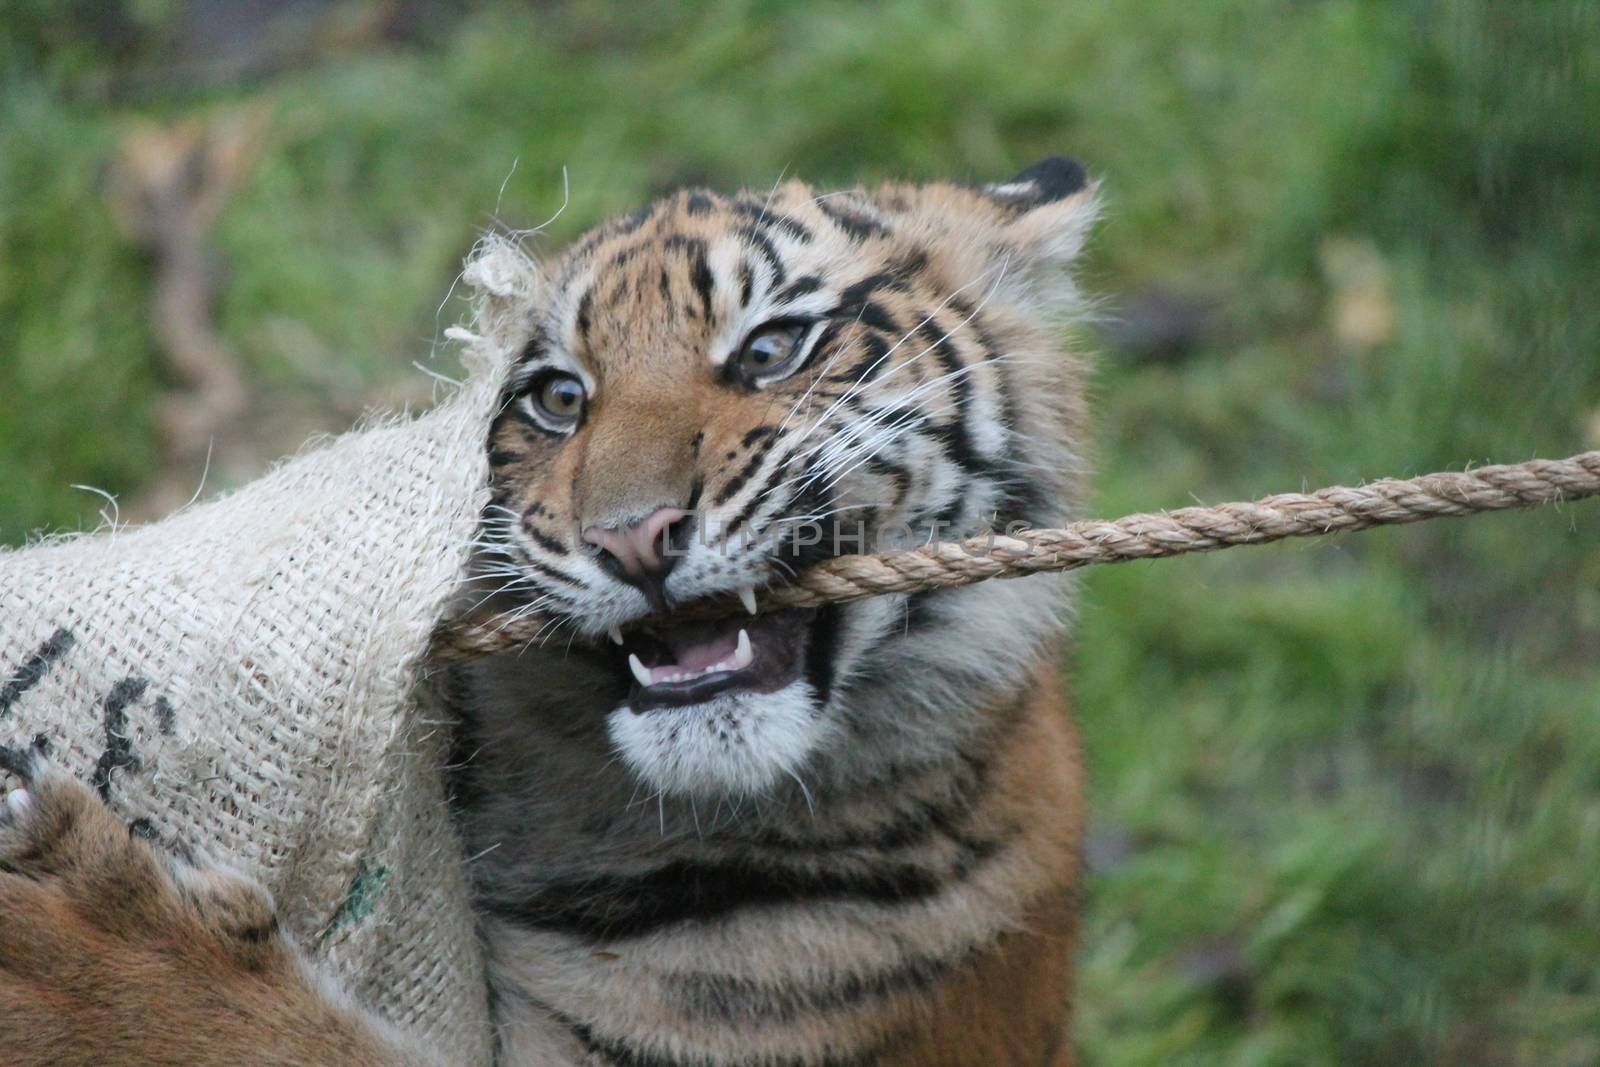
695	646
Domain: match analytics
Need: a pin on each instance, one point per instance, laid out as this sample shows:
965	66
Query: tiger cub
836	836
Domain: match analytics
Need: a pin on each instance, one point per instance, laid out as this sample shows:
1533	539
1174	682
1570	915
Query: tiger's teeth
640	671
616	635
743	656
747	596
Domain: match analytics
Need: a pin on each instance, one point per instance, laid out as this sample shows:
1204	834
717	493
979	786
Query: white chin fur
732	745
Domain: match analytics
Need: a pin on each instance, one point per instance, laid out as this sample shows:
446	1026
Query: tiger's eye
770	349
561	398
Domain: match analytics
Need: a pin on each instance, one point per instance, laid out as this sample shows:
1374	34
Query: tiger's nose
640	553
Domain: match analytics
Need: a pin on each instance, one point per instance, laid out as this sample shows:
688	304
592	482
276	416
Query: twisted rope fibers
946	564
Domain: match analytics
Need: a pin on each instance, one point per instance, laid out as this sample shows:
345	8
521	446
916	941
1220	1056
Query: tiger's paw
109	949
63	850
112	951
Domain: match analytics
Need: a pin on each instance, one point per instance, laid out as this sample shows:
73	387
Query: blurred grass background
1346	794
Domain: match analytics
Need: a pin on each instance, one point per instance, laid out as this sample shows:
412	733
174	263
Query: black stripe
623	256
762	218
825	338
898	473
34	667
863	290
585	308
755	501
760	243
544	540
624	1052
813	498
809	283
700	277
857	226
909	828
555	574
499	457
698	203
957	444
674	242
732	486
623	907
905	420
747	282
615	228
630	223
1023	498
824	637
876	316
535	349
910	265
759	433
716	998
954	435
872	362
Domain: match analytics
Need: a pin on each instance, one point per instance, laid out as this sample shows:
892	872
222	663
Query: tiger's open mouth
677	663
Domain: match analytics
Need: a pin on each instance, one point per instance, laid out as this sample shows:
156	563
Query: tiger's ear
1044	215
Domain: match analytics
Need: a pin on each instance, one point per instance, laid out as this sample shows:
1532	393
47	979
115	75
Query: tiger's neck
910	919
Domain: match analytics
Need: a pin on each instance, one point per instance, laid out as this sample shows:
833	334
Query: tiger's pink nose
639	549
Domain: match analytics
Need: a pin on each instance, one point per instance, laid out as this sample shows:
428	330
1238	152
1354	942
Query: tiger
815	837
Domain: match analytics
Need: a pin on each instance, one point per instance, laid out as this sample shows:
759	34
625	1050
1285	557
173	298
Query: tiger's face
718	391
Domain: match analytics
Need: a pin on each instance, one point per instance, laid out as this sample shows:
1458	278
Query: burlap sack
244	678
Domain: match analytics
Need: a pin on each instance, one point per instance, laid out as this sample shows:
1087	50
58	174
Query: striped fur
868	858
873	864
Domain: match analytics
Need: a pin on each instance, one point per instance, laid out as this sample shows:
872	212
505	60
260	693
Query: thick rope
945	564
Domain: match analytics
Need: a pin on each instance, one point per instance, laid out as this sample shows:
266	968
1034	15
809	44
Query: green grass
1346	794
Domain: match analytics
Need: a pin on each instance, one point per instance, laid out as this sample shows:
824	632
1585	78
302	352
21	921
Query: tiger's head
718	391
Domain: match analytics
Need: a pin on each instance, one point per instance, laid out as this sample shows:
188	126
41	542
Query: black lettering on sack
34	668
119	754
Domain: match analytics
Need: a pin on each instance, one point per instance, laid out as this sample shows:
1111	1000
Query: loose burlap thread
245	679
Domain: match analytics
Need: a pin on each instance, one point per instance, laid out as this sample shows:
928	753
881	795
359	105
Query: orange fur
1013	1006
110	955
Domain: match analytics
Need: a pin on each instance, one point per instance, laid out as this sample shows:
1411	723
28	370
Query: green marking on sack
360	897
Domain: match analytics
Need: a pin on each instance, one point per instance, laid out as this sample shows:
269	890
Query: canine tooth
743	656
640	671
747	596
19	802
616	635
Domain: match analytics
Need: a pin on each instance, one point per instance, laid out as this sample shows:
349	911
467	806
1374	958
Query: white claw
616	635
743	655
640	671
18	802
747	596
